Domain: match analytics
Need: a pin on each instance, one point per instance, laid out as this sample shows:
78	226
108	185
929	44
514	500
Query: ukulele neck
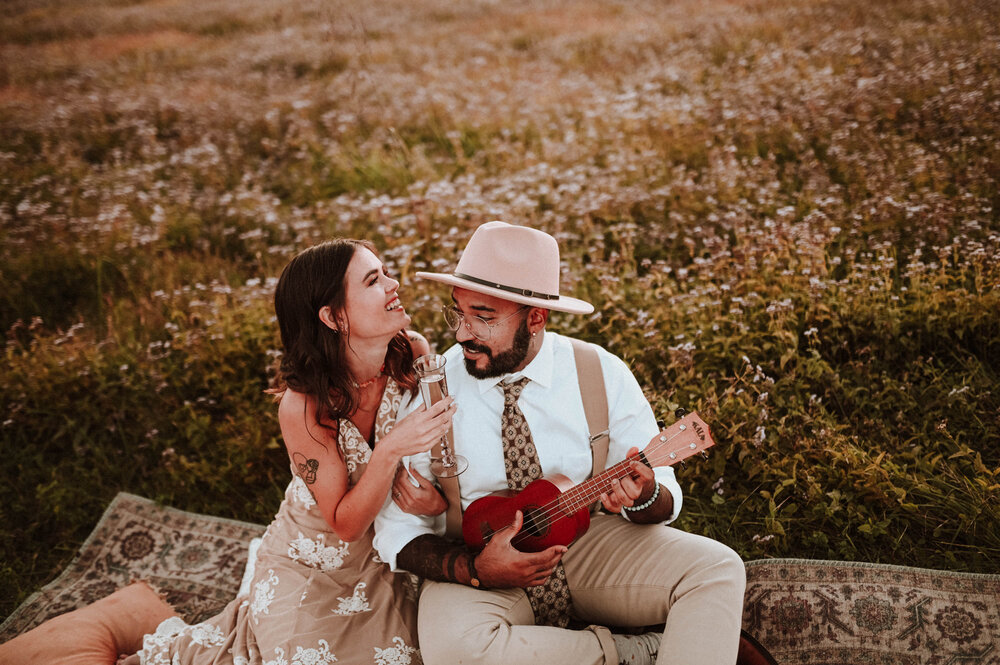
586	493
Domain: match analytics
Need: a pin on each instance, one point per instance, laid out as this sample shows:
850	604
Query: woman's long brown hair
315	357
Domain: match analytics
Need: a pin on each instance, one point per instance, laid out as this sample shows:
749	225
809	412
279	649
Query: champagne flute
433	388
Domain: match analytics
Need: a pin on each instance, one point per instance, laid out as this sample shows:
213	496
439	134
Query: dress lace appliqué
315	553
302	493
353	446
390	406
154	645
396	655
279	657
207	635
263	595
316	656
357	455
355	604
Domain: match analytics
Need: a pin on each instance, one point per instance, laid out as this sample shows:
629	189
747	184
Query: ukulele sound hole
536	524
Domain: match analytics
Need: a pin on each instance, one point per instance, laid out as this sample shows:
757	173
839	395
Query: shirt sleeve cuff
394	530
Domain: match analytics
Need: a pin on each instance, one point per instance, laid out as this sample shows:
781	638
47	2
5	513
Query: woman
319	592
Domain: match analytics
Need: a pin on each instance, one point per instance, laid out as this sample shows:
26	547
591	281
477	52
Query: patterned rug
197	561
842	613
804	612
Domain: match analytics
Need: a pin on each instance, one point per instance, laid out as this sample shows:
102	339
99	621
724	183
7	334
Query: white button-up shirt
552	405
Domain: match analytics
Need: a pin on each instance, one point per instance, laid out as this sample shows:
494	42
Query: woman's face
371	305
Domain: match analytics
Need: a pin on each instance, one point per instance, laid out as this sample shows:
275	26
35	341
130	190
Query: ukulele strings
576	502
553	509
576	495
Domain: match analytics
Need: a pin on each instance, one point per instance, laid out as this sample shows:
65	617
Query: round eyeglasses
479	327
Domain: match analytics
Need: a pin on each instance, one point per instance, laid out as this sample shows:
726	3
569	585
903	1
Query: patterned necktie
551	601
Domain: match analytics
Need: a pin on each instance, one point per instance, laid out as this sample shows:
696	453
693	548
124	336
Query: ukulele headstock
683	439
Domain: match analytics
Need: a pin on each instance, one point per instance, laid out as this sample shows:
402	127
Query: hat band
510	289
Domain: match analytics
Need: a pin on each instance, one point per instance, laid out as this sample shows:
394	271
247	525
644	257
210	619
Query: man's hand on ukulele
631	489
501	566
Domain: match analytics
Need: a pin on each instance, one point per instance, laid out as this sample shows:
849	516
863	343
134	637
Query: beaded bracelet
646	504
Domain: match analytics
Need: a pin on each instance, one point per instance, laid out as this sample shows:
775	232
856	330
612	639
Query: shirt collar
539	370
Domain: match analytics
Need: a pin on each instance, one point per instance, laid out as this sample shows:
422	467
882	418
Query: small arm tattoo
307	467
434	558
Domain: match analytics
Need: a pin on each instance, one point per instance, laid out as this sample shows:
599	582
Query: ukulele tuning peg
680	412
704	455
684	464
660	424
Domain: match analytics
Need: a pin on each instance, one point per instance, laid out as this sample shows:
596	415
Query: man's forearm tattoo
306	467
434	558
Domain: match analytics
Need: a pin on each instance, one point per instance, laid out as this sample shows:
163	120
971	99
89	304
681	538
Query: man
520	408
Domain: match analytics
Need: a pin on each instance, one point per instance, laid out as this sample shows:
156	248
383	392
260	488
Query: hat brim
563	304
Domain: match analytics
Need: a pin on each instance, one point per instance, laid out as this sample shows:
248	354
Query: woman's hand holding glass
419	431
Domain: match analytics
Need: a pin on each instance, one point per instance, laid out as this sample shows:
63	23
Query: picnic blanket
802	611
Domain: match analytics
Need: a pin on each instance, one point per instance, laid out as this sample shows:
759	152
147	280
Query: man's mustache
475	348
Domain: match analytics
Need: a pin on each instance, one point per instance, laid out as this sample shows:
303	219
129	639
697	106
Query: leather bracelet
473	575
646	504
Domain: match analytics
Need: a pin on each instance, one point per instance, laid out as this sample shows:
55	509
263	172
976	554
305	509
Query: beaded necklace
362	386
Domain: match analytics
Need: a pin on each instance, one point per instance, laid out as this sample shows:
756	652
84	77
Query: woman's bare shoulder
293	403
299	426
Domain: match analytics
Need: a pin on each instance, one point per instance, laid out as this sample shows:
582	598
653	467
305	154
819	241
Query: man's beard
503	362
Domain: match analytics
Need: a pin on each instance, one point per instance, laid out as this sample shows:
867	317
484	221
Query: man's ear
537	318
328	319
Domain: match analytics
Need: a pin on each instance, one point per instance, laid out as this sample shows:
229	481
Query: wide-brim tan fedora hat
515	263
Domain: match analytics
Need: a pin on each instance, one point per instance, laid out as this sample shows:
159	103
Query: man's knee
457	647
457	625
733	564
724	568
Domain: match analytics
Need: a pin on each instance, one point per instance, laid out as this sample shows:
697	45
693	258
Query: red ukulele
556	512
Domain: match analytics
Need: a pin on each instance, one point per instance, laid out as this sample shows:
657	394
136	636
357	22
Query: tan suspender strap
595	401
453	493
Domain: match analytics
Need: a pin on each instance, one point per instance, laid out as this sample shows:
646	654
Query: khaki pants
620	574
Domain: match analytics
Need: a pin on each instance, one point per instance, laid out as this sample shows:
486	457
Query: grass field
786	211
